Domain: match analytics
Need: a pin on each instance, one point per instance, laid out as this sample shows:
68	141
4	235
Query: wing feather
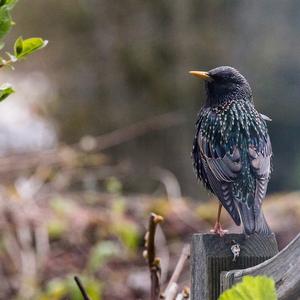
221	170
261	166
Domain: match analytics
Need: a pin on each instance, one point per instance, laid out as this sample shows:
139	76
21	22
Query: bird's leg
218	228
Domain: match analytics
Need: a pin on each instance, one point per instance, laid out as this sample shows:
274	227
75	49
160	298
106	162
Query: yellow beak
201	75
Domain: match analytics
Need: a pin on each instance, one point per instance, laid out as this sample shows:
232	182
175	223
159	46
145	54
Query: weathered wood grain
211	254
284	268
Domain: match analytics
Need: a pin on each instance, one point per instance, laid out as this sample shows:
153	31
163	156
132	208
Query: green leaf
56	288
5	21
92	287
101	253
66	288
56	228
18	46
128	233
5	90
5	18
8	4
113	185
22	48
252	288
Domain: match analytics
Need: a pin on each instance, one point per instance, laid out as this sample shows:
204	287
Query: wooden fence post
211	254
284	268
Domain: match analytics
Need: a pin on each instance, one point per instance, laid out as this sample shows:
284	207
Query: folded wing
221	169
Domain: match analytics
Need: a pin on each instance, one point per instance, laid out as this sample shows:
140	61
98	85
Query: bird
232	149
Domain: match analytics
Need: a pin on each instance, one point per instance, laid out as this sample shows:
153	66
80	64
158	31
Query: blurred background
99	133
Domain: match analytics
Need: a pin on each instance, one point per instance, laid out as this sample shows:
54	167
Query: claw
219	230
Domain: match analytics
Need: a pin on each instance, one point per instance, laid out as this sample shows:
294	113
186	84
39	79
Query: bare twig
42	242
28	259
11	164
133	131
162	251
6	63
185	253
153	261
81	288
172	291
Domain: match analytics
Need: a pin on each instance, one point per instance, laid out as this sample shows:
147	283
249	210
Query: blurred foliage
57	289
113	185
73	210
56	229
101	253
128	233
99	234
252	288
137	67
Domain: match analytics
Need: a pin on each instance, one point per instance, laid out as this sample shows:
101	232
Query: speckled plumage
232	149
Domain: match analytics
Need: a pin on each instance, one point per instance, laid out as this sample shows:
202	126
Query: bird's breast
236	124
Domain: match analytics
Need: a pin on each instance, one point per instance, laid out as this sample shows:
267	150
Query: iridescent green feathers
232	153
235	125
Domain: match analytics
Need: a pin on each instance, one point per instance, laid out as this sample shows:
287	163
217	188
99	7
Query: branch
185	254
81	288
135	130
6	63
172	292
11	164
153	261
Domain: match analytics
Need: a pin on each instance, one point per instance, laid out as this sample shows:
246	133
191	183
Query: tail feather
253	220
261	225
247	216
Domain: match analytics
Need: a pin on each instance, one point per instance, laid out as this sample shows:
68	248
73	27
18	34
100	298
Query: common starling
232	149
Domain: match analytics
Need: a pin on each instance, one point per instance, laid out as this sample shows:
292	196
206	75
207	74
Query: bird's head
224	84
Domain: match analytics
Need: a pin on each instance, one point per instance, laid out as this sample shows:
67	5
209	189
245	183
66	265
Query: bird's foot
219	230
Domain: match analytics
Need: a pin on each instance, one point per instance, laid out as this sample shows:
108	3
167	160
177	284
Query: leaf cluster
22	47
